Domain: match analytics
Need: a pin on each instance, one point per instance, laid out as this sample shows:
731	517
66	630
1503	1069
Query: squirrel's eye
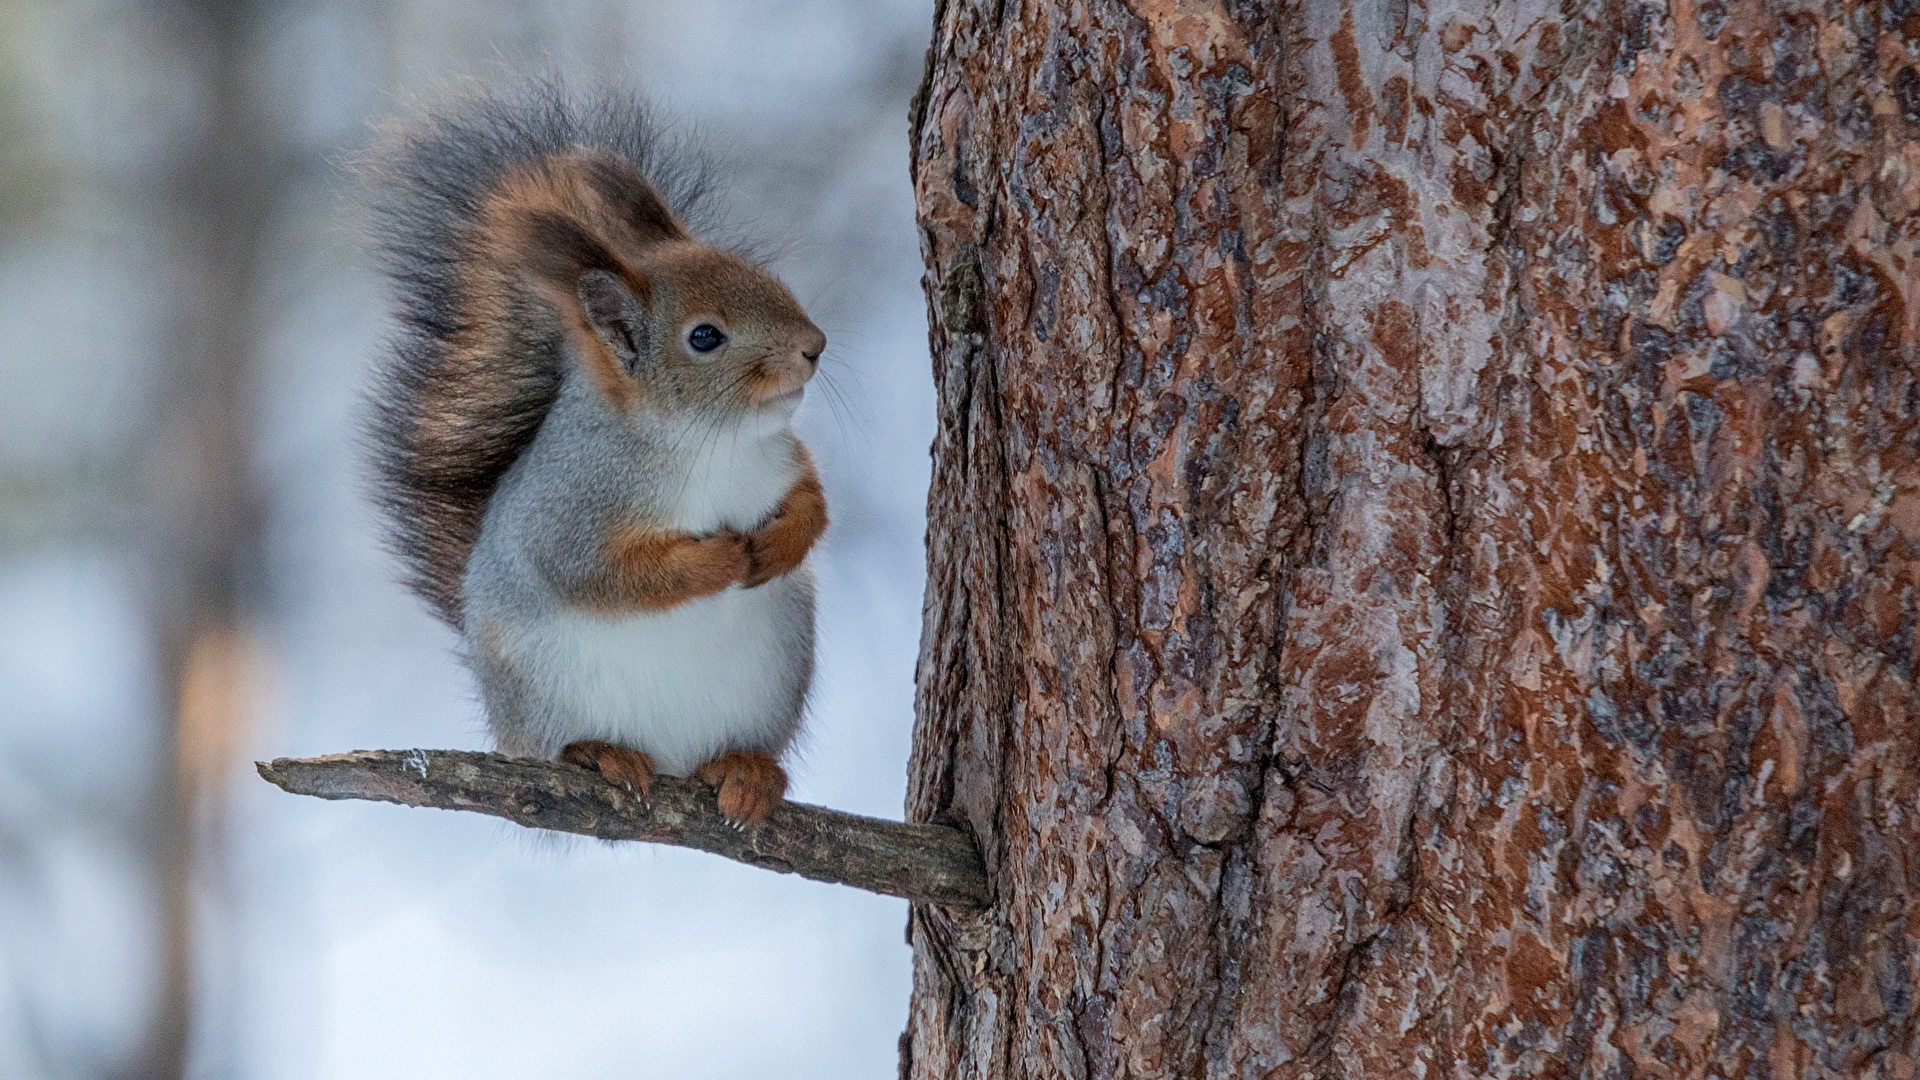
705	338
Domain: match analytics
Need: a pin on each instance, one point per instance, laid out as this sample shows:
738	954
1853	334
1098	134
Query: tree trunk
1424	540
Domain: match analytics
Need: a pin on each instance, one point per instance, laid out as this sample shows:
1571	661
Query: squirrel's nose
812	345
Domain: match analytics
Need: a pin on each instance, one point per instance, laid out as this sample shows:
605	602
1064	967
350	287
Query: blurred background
190	578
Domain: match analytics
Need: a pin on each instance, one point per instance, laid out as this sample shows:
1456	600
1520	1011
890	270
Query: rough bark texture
1425	537
932	863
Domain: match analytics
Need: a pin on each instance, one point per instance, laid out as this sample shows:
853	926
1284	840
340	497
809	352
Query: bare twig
934	863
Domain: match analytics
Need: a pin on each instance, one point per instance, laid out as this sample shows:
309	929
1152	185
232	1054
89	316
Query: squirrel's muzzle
785	375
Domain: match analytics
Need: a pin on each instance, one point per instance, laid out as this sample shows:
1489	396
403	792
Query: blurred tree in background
219	193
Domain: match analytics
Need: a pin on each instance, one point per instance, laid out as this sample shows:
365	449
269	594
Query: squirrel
582	442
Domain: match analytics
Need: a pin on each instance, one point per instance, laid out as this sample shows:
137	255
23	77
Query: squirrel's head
660	323
690	330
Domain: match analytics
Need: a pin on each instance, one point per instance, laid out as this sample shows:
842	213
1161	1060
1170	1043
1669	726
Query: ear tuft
615	315
634	199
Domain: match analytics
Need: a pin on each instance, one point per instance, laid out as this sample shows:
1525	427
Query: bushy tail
475	362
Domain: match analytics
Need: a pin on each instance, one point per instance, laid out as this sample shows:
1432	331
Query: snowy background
350	940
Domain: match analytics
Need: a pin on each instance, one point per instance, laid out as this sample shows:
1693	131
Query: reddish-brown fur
630	769
750	784
779	546
571	188
647	570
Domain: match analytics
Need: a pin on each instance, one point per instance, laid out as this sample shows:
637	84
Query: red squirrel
583	446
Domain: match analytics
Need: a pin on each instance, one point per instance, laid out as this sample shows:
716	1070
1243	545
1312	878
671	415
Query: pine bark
1424	548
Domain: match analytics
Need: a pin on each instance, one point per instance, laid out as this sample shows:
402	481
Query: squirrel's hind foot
631	769
750	784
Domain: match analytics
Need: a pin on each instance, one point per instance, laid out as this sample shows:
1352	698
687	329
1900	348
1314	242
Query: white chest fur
731	478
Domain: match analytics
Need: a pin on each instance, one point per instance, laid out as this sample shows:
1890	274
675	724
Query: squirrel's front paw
717	561
631	769
774	549
750	784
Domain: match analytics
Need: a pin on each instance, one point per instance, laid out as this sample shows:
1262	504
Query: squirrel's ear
635	200
615	315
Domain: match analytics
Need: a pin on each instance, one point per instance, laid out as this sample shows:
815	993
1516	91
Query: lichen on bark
1424	548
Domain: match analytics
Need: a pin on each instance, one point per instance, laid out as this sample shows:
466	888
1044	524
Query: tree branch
933	863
